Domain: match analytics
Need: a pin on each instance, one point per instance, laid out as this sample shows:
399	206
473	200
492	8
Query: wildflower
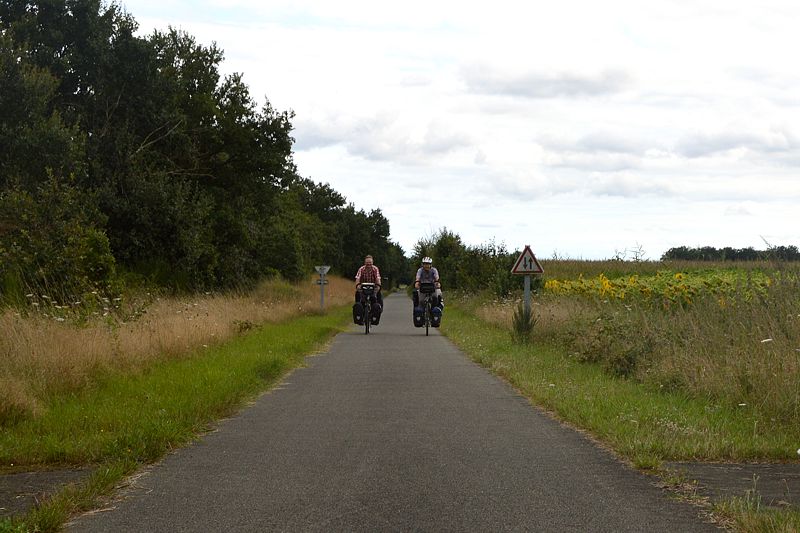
45	297
31	296
742	405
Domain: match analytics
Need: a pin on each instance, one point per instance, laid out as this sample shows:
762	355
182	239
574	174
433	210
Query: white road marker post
322	269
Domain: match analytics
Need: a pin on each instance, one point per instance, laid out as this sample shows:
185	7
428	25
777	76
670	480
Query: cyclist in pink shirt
368	273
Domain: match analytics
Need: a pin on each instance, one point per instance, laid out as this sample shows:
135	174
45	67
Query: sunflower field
667	286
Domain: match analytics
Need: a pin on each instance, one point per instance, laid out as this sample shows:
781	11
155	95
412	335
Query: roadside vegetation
53	348
116	395
658	360
725	335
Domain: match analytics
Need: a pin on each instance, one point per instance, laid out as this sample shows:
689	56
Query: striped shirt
368	274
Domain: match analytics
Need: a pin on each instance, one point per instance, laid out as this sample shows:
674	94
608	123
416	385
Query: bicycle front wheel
427	318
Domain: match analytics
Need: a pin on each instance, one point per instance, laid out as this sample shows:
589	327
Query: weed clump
522	324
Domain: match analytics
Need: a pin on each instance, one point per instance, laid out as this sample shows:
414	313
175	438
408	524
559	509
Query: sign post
323	269
526	265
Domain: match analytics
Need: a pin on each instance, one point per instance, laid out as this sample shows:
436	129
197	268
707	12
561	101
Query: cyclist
368	273
428	274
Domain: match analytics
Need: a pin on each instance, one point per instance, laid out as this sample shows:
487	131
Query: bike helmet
427	260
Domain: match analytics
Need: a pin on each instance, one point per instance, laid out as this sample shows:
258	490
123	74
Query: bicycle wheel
367	317
427	316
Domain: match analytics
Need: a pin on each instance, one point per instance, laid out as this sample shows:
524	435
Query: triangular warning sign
527	263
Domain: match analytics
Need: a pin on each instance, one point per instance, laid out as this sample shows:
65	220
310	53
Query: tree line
710	253
129	158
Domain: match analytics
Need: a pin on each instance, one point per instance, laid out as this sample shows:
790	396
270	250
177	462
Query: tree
29	124
50	239
193	184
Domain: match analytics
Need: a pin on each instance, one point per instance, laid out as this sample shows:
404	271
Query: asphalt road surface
392	431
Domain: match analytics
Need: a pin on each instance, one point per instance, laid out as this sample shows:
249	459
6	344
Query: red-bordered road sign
527	263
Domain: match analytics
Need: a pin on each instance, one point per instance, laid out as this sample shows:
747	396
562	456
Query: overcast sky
581	128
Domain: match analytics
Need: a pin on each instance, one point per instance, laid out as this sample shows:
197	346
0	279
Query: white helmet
427	259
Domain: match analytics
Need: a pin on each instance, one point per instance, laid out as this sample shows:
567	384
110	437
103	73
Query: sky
585	129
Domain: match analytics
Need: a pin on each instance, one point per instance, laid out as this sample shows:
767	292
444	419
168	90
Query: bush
51	241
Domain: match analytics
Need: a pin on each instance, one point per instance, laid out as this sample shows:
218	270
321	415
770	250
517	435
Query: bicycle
367	294
427	289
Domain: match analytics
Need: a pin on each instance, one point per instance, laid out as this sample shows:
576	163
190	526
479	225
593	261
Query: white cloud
776	140
485	80
382	138
628	185
738	211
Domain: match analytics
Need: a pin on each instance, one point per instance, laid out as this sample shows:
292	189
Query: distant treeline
125	157
709	253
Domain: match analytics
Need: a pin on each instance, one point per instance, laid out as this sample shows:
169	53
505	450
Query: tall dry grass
743	353
42	355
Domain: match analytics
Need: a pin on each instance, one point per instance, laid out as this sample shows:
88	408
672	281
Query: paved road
393	431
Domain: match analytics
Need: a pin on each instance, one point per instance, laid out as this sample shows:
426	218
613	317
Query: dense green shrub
469	268
51	239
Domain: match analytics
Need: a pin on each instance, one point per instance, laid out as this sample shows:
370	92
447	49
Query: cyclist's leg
377	308
436	309
418	311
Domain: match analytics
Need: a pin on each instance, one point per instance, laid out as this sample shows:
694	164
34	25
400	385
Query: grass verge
124	421
747	514
641	423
